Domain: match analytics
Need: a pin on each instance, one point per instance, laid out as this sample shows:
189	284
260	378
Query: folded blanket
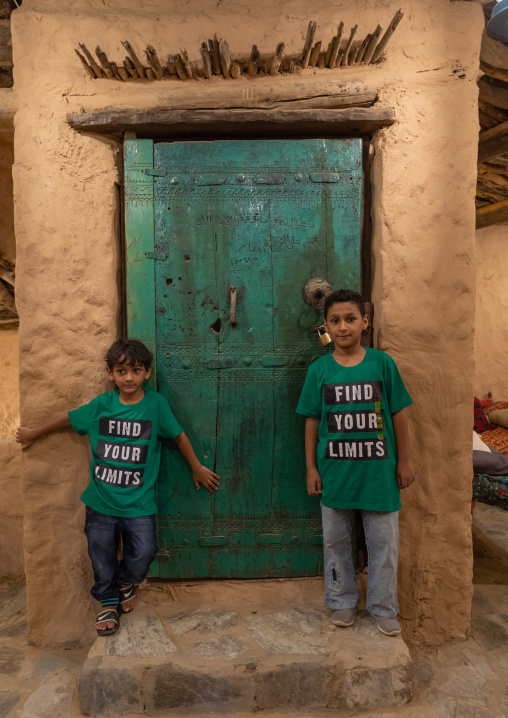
485	462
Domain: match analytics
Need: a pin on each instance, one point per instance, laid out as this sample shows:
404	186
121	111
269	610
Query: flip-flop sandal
104	617
127	593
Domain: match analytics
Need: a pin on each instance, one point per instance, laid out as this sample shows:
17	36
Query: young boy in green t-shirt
125	427
357	455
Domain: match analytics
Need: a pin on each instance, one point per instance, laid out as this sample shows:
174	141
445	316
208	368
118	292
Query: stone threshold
231	647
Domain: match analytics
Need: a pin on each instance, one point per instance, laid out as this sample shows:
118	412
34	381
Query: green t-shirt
126	451
356	454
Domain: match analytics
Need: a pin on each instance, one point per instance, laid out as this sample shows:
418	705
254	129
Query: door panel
263	217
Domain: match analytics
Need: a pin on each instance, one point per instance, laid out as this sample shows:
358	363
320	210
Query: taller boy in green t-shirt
357	454
125	427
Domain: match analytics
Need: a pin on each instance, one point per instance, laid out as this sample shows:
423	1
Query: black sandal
127	593
111	614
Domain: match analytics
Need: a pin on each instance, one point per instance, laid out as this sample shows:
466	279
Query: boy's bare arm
311	441
200	474
26	436
404	471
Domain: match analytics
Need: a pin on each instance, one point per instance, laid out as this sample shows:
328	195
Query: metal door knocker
315	292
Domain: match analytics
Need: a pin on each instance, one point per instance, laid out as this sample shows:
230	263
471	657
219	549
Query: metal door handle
232	306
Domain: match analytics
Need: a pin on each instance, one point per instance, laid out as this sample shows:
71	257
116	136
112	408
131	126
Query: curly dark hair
344	295
129	351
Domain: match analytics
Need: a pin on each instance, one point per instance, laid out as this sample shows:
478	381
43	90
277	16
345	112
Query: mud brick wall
423	179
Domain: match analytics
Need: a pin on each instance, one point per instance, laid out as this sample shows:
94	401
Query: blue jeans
382	538
139	549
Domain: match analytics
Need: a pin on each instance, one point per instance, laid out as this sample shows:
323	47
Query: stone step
242	656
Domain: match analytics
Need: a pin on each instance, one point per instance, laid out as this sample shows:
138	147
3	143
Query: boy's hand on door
204	476
314	485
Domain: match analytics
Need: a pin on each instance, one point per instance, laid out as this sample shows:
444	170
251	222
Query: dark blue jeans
139	549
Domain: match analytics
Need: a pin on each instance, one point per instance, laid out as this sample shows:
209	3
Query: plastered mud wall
423	176
491	312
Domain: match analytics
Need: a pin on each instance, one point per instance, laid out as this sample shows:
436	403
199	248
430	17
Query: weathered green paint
264	217
139	240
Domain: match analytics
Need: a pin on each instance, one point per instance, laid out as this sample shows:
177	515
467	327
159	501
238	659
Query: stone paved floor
466	679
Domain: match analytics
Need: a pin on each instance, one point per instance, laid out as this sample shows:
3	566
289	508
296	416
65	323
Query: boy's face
345	324
129	378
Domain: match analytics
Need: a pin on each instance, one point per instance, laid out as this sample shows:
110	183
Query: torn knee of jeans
334	574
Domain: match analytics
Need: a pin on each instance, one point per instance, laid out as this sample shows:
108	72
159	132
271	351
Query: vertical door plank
139	239
316	233
187	310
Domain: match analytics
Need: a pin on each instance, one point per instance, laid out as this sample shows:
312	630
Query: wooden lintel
492	214
182	123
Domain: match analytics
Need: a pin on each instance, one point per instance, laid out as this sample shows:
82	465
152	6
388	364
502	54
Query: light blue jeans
382	538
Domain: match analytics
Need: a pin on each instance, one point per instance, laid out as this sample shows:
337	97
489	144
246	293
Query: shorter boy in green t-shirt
357	455
125	427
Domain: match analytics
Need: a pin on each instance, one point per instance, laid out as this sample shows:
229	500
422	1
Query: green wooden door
253	220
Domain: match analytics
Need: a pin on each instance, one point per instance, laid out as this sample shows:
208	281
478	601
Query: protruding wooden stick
309	40
329	51
103	59
186	63
116	71
215	55
93	62
180	68
321	60
225	58
153	61
171	65
207	60
336	46
363	48
389	32
235	70
345	55
353	54
87	67
314	54
150	74
139	67
129	66
253	62
123	73
369	52
277	59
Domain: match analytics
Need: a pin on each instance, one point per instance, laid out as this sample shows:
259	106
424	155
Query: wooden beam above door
231	123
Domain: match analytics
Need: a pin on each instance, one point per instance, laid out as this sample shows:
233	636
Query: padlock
323	335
